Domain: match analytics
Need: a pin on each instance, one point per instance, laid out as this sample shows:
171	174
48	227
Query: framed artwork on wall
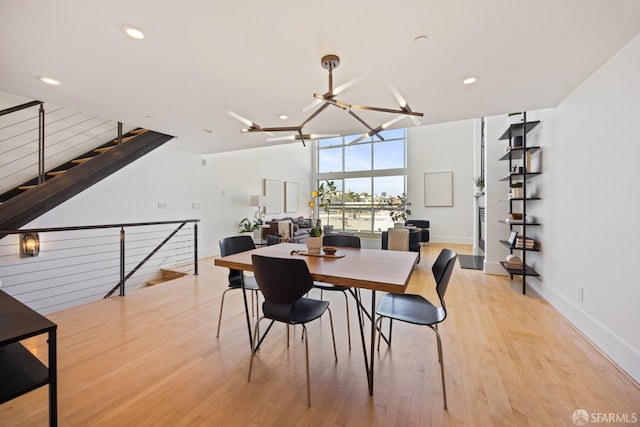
291	197
438	189
273	193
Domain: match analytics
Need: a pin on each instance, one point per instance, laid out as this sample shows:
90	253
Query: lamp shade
257	201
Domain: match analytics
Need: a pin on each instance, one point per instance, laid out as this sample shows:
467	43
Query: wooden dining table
372	269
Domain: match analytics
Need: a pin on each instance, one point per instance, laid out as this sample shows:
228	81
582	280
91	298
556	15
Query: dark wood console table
21	371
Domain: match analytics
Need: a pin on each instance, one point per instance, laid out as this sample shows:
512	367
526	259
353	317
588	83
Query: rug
471	262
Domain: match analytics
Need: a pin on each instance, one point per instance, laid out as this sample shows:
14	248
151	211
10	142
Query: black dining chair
344	241
233	245
418	310
283	282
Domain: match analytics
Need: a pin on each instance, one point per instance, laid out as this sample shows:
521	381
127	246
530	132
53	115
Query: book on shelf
522	243
514	262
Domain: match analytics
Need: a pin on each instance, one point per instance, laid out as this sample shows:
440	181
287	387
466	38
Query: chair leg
220	315
253	349
333	336
346	303
378	324
444	388
306	353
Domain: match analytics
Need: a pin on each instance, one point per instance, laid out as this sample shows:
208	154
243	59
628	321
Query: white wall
231	178
592	209
442	148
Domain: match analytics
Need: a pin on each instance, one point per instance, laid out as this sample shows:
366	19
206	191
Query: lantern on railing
29	244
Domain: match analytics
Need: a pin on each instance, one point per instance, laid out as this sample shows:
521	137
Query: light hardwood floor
152	359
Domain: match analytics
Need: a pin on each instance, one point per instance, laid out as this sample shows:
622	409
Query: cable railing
36	137
81	264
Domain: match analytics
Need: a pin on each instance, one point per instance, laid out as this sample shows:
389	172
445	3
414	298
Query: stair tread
56	173
104	149
125	139
86	159
138	131
27	187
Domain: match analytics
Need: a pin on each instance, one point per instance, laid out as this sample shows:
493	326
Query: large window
366	175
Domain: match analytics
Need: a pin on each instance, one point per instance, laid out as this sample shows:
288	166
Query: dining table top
375	269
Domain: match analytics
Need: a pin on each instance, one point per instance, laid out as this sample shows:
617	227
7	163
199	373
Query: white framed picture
273	193
291	197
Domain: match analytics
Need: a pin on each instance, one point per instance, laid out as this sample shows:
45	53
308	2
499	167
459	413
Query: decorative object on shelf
29	245
330	62
258	202
514	262
515	118
512	237
314	241
399	210
517	192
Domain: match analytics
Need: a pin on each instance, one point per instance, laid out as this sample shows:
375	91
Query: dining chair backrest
442	269
398	239
341	241
281	280
233	245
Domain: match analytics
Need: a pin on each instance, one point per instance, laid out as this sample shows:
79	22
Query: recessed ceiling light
283	117
207	130
133	32
49	81
420	39
469	80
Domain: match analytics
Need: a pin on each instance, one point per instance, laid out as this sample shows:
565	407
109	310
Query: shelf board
519	175
505	243
519	223
518	128
520	198
518	152
528	271
20	371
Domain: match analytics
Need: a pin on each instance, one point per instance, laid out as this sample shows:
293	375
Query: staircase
167	275
27	201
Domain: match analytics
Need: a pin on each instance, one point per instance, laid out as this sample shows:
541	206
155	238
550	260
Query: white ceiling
262	58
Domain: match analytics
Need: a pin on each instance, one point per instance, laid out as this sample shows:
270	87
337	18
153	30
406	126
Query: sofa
298	228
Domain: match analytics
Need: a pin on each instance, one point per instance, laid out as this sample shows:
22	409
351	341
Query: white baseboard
604	339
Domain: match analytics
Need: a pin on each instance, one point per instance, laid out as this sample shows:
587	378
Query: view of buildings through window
368	177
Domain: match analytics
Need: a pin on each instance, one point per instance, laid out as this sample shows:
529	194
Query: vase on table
314	244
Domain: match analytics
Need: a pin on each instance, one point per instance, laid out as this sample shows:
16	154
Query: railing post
122	279
195	248
41	176
119	133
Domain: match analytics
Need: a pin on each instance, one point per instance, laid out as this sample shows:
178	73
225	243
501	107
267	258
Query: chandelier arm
275	129
301	137
315	113
384	110
372	131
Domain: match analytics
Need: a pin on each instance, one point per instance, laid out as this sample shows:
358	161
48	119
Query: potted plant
517	190
479	182
314	241
250	226
325	192
399	210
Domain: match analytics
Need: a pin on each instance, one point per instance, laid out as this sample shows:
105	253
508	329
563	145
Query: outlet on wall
162	205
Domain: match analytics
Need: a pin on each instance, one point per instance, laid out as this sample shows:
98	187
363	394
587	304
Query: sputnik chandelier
330	62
